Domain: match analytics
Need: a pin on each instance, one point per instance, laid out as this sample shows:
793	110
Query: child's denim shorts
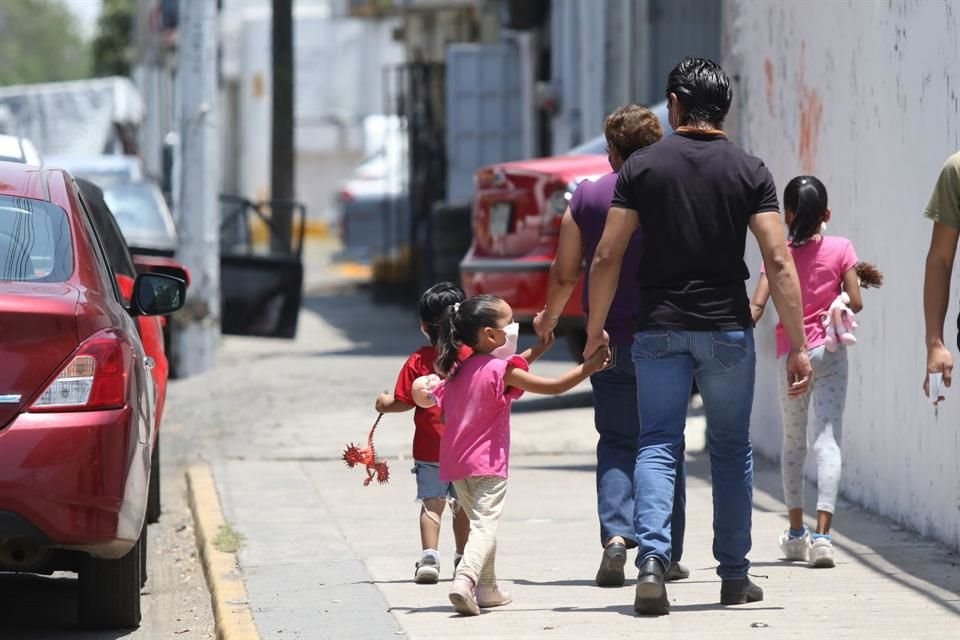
429	484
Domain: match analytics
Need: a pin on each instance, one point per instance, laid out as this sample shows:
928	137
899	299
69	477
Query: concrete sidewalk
326	557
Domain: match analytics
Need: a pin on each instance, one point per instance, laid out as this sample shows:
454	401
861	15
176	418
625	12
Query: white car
18	149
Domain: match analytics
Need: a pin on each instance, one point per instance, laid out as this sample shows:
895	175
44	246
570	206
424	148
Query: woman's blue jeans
618	423
723	363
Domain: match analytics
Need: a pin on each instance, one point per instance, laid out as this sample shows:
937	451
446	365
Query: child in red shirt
431	492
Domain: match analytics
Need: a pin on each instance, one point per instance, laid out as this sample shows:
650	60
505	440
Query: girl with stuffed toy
475	399
830	280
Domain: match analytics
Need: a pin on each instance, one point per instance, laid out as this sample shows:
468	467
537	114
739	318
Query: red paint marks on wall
768	69
811	114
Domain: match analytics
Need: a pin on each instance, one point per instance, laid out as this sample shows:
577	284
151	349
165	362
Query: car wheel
576	343
110	590
153	493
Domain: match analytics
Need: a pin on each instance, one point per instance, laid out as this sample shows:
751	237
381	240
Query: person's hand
596	342
544	325
544	342
939	360
597	361
799	372
384	400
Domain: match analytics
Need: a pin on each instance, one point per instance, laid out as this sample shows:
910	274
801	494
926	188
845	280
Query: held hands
939	361
596	342
544	325
596	362
544	342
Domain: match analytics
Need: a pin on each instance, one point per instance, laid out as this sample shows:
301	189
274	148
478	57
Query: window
35	242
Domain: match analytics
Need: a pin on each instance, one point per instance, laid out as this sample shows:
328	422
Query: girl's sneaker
492	597
463	597
821	552
428	570
794	547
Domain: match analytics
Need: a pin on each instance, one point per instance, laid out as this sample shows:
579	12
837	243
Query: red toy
367	456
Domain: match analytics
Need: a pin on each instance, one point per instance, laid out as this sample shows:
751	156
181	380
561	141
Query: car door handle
149	362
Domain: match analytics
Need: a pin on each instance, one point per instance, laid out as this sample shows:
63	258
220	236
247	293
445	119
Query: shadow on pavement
384	330
42	607
917	561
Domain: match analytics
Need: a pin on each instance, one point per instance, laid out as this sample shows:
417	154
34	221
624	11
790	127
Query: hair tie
456	307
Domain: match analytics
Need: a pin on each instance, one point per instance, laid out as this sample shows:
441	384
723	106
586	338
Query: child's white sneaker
463	596
492	597
428	569
821	552
794	548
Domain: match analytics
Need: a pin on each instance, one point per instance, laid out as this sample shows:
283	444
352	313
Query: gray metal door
680	28
483	111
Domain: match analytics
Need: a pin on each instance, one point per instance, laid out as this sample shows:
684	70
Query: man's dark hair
703	89
434	302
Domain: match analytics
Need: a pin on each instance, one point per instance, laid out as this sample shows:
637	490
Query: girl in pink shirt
826	266
475	400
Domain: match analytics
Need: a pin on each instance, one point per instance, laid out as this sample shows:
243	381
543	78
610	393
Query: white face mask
508	348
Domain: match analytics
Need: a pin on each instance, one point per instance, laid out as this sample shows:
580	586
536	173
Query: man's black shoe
610	573
651	599
740	591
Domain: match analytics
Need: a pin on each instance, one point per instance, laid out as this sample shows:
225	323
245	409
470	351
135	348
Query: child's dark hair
807	198
434	302
461	325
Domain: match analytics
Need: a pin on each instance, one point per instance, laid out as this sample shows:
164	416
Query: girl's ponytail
460	325
806	197
448	343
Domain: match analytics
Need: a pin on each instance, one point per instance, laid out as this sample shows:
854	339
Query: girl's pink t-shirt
821	264
476	417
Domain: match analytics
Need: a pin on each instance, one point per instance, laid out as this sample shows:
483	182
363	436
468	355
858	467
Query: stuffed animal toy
375	466
839	322
422	390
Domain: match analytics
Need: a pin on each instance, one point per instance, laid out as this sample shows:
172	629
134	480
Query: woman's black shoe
610	573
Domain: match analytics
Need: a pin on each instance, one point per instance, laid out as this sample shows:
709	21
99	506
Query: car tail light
555	205
95	378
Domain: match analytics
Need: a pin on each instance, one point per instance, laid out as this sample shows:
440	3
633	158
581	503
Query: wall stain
811	114
768	70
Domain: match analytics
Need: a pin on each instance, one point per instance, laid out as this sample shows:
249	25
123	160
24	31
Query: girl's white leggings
828	390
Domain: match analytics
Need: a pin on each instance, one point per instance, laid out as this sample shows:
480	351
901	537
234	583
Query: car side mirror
156	294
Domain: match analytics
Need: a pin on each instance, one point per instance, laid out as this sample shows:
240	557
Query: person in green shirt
944	210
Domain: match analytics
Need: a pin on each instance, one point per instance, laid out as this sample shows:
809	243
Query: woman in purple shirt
615	388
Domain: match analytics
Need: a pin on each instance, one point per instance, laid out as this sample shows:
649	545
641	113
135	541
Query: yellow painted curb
354	270
231	609
313	229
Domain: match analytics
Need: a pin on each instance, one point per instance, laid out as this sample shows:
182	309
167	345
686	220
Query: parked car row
83	388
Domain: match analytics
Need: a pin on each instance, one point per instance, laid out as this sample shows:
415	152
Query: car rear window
35	242
137	209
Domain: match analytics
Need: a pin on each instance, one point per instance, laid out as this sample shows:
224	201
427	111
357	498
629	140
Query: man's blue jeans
618	424
723	363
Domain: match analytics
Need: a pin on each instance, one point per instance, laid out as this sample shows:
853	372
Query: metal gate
415	93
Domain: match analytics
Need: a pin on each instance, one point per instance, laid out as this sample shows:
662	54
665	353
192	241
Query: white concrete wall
865	96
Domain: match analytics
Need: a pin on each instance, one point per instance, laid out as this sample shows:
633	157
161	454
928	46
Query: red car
152	329
517	209
77	397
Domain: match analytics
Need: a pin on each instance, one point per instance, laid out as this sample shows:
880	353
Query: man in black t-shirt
696	193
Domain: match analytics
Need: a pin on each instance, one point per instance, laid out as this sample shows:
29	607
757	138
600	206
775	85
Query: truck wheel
576	342
153	493
110	590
